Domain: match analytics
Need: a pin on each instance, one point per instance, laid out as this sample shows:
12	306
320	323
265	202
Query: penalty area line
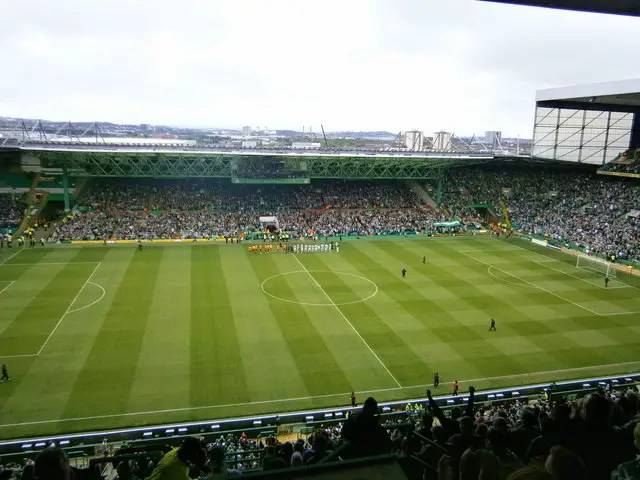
69	310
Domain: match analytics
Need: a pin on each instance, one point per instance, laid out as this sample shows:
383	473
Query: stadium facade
591	124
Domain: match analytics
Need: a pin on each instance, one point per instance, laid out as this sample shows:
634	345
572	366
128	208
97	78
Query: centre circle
311	288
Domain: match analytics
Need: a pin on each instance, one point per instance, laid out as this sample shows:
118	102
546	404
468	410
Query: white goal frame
597	265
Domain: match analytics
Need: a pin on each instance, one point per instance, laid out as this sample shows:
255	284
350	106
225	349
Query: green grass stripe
318	367
373	325
357	362
217	370
165	351
31	327
436	321
546	335
270	369
110	367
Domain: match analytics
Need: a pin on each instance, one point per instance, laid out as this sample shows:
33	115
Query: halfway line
347	320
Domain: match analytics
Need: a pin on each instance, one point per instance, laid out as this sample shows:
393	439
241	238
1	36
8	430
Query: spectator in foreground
629	470
53	464
178	462
363	434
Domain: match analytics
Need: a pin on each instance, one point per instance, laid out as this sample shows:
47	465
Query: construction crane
326	144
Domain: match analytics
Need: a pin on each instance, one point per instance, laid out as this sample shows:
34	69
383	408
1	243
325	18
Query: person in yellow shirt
177	463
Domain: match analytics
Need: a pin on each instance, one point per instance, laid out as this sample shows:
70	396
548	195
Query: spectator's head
370	407
528	418
192	452
563	464
482	430
500	423
497	439
52	464
439	434
216	458
596	411
27	472
427	420
124	470
466	426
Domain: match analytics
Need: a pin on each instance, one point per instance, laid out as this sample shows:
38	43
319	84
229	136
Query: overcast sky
459	65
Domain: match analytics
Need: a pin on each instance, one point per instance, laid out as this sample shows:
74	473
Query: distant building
249	143
246	131
414	140
492	137
442	141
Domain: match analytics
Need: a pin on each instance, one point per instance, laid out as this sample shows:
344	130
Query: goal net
597	265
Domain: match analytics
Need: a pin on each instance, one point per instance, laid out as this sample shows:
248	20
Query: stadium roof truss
97	162
587	123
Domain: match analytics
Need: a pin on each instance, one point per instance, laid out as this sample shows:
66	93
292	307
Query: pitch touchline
294	399
339	310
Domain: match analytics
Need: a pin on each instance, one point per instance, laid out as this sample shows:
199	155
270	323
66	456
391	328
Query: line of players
294	248
26	239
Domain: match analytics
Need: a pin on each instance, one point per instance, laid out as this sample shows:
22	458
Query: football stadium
174	311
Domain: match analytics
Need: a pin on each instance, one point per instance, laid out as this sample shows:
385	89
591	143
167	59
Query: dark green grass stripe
109	370
438	322
217	371
27	255
405	365
495	304
18	370
318	367
27	332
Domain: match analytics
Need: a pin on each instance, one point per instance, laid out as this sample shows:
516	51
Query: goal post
597	265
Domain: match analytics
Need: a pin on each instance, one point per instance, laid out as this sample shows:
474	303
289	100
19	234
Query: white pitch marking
533	285
10	257
549	291
307	304
294	399
11	282
347	320
68	310
581	279
42	263
104	292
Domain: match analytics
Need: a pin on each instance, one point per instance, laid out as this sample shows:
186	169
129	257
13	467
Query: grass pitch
105	337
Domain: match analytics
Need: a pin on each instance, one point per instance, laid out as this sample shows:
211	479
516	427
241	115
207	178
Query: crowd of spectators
207	209
549	438
586	209
10	214
589	210
627	162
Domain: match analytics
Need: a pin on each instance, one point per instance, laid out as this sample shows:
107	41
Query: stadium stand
627	163
591	212
588	210
10	214
173	209
557	436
